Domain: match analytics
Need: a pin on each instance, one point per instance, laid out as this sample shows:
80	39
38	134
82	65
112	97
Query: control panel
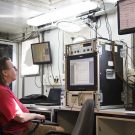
89	46
81	48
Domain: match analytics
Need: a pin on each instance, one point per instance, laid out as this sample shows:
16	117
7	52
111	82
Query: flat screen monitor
82	72
41	53
126	16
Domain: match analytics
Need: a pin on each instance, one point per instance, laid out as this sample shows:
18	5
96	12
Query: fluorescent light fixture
61	13
68	26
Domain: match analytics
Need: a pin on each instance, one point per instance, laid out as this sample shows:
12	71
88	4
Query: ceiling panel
14	13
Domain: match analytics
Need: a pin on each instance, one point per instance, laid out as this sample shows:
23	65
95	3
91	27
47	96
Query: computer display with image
41	53
81	72
126	16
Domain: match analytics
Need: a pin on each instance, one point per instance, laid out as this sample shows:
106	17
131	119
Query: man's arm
24	117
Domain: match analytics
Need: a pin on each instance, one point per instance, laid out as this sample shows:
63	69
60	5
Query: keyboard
47	104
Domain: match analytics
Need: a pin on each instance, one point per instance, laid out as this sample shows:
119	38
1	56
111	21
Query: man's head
7	71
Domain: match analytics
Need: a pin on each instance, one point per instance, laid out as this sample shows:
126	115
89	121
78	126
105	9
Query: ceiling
14	13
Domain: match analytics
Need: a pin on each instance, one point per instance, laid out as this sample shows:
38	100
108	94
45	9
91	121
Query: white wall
58	39
28	84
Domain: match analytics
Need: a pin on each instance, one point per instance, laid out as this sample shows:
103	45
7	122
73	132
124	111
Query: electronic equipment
94	69
82	72
41	53
54	98
126	16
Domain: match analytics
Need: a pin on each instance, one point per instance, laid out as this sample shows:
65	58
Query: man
15	118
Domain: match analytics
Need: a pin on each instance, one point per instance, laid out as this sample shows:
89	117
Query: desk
48	111
115	122
108	121
67	117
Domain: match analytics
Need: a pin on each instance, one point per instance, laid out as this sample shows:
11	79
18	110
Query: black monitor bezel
81	87
44	61
123	31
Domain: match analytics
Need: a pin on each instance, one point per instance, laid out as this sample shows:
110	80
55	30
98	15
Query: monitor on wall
82	72
41	53
126	16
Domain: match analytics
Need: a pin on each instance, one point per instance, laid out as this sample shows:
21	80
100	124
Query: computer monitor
41	53
126	16
82	72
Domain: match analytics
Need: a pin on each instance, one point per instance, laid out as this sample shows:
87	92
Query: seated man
14	116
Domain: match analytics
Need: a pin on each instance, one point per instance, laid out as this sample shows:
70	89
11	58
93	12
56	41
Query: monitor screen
41	53
126	16
82	72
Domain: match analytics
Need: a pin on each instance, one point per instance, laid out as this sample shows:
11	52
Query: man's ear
4	72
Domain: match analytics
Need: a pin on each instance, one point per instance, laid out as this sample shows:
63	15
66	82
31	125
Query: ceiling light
68	26
59	14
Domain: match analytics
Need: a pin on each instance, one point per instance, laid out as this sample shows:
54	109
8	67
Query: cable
114	61
36	83
49	79
107	23
25	36
58	57
51	71
125	44
94	29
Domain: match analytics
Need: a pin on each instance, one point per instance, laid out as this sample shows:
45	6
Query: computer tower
105	59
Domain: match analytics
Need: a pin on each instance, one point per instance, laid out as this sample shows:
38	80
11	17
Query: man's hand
40	117
24	117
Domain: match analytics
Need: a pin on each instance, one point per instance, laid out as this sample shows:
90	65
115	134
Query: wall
58	39
27	76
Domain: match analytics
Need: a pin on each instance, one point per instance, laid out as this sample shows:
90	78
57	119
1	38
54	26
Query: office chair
85	121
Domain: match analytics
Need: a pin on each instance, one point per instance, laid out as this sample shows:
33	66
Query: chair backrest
85	120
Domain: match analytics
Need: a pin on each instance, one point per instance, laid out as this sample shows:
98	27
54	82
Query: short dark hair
3	65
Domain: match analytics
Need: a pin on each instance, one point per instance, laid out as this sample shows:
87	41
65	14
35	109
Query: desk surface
40	108
50	108
118	112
